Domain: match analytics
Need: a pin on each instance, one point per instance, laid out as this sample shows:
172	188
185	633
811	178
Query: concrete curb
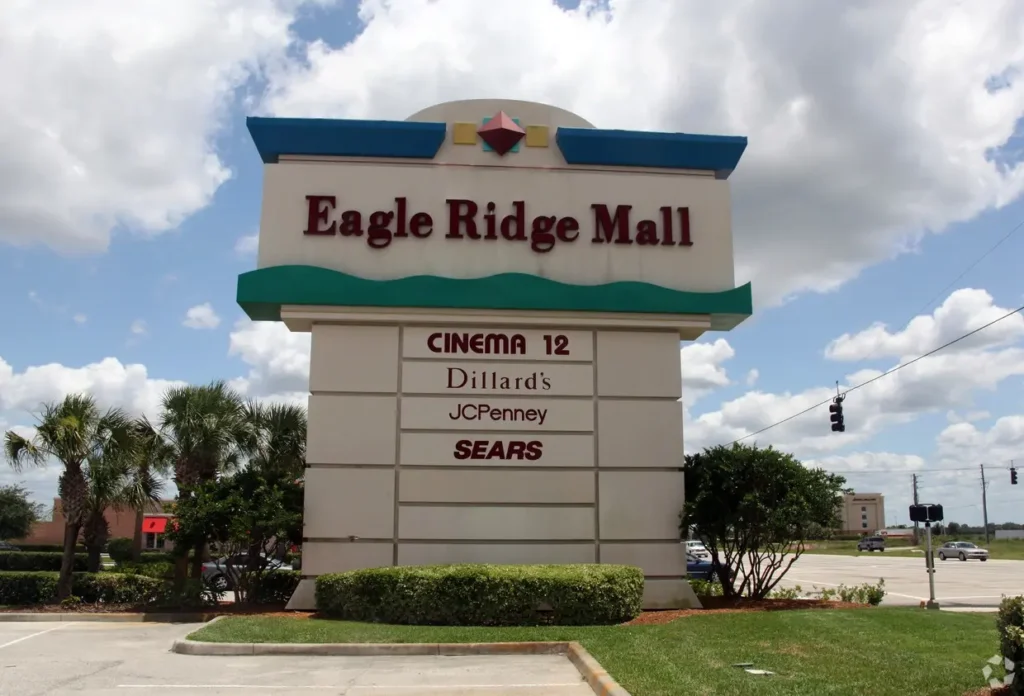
152	617
590	669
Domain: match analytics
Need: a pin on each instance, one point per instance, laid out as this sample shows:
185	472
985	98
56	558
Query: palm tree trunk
67	564
137	537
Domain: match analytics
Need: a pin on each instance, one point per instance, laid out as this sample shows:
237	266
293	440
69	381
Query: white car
696	548
963	550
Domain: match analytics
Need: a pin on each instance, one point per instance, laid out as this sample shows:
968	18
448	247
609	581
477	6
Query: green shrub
37	560
484	595
706	588
120	549
161	570
19	588
157	557
858	594
59	548
277	586
1010	622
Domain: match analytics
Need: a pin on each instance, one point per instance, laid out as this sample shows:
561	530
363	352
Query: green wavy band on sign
261	294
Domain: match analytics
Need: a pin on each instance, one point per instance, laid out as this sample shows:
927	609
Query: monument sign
496	292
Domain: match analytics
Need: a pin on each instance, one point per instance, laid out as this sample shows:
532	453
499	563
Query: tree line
219	448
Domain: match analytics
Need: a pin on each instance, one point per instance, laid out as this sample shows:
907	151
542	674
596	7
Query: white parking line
32	635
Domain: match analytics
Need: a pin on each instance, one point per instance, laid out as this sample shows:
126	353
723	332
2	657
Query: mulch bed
721	605
988	691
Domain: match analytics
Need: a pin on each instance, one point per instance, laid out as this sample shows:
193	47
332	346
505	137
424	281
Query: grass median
875	651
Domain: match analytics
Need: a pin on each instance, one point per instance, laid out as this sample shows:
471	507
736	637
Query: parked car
222	573
698	568
872	543
962	550
7	546
697	548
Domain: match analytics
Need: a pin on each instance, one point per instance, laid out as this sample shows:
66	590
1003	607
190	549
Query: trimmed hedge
120	549
1010	622
152	569
25	588
37	560
484	595
59	548
277	586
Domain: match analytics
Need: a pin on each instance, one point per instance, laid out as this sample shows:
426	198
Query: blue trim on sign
619	148
344	138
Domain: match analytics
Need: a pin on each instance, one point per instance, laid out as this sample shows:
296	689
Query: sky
883	163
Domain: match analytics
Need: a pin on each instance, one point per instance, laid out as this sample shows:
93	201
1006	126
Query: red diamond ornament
501	133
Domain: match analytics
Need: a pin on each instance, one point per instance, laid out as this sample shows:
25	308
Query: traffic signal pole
984	503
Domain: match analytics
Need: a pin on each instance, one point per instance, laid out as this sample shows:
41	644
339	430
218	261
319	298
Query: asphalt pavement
958	584
134	659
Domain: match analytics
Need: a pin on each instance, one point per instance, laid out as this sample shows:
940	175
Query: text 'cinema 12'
510	346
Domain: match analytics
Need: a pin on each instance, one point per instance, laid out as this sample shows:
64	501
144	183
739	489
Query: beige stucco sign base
473	399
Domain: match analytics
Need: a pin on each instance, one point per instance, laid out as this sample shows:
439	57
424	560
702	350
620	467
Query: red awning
154	525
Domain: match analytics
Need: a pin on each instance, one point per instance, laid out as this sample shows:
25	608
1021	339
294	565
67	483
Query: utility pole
984	503
916	532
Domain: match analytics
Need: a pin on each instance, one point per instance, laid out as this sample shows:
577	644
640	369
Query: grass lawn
1004	549
875	651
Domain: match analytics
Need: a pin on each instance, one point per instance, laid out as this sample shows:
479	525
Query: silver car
696	548
222	573
963	550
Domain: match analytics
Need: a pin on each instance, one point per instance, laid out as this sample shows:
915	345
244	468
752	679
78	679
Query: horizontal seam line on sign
499	467
542	542
448	503
315	687
498	433
588	398
409	162
496	361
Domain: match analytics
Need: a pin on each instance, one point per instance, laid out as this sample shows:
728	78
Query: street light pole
930	565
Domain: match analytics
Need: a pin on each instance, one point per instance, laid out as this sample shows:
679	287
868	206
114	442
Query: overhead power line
878	377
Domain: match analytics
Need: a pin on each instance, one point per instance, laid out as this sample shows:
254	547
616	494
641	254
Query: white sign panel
497	344
496	449
519	379
484	413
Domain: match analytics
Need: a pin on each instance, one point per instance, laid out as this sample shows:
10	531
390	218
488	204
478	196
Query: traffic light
836	409
1013	476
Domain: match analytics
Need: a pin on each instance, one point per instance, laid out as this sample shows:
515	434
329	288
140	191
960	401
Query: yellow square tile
536	136
464	133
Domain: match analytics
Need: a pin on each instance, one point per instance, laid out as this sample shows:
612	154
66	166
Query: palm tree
115	481
71	431
154	455
208	432
279	434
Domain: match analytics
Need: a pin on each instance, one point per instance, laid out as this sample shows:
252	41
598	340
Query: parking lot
90	659
957	584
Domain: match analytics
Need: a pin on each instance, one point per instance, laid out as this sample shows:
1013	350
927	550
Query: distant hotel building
862	513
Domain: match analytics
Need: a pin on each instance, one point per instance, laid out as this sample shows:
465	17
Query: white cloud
963	311
247	245
201	317
878	130
80	318
110	381
752	377
278	359
946	381
702	372
124	131
138	327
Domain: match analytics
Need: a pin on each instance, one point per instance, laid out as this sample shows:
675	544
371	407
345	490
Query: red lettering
605	227
479	450
516	449
534	450
566	226
432	343
318	213
421	225
497	450
463	449
461	212
684	227
400	217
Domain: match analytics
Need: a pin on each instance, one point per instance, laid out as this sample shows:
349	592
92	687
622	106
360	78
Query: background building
862	513
153	525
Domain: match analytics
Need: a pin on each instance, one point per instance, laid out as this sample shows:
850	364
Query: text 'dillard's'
509	379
